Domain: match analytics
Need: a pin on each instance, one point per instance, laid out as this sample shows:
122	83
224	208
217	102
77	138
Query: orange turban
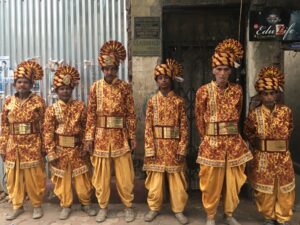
171	68
111	54
227	53
270	78
30	70
66	75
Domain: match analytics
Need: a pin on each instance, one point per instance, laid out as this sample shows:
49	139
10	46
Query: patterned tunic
269	166
67	119
213	105
165	111
110	100
27	147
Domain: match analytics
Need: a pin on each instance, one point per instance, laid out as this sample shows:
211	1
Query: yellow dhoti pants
177	188
276	206
29	180
63	188
214	181
124	177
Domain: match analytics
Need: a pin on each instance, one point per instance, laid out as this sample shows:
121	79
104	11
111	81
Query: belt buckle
171	132
276	145
67	141
22	128
114	122
227	128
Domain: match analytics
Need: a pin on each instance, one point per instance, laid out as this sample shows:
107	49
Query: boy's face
64	93
222	74
23	85
163	81
110	71
268	97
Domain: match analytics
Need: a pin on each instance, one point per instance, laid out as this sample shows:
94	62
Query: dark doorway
190	36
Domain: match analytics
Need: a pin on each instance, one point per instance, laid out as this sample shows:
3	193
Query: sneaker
230	220
150	215
64	213
210	222
14	213
129	215
101	216
269	222
37	213
88	210
181	218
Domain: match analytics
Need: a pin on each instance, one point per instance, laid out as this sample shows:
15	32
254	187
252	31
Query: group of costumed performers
83	145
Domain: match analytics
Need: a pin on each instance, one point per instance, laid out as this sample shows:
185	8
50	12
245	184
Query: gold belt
67	141
222	128
110	122
23	128
166	132
273	145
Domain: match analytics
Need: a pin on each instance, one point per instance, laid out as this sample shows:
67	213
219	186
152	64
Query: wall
143	70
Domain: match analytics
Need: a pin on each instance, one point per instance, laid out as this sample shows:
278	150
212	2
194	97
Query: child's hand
180	158
88	146
133	144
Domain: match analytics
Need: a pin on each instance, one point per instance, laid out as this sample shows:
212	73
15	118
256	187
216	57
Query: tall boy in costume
222	153
110	131
21	141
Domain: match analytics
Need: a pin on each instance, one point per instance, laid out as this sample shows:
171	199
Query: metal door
190	36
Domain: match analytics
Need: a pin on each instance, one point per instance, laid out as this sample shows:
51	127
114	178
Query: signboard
275	24
146	41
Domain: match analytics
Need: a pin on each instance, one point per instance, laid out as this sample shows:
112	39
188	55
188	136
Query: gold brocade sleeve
91	115
130	115
49	134
182	148
250	128
200	108
149	136
4	127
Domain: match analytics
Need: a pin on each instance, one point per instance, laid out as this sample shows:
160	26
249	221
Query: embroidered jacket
110	100
27	147
165	112
65	120
213	106
261	123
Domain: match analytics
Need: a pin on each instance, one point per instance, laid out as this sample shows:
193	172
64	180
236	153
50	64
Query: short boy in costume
268	128
64	129
166	139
